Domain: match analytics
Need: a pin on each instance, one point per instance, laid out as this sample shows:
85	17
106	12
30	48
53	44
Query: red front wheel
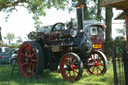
30	59
71	67
97	63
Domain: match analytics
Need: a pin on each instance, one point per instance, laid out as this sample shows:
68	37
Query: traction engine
65	47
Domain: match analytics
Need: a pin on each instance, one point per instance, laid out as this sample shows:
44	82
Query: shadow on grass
46	78
53	78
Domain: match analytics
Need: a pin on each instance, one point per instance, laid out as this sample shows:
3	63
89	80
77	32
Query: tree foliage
122	31
19	39
37	7
34	6
92	9
10	37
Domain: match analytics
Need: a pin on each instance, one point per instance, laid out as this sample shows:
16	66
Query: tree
37	7
109	15
34	6
122	31
99	10
108	42
91	11
10	37
86	12
19	39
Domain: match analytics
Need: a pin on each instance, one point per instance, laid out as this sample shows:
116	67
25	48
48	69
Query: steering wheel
61	26
58	26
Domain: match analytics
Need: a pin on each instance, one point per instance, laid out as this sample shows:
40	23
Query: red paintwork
97	64
98	39
67	75
27	60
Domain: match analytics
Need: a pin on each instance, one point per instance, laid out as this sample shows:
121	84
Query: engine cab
95	30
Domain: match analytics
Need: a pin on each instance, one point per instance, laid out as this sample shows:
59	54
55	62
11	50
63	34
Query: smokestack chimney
80	16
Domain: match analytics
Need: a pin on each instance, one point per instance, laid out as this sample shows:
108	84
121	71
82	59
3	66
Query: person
70	24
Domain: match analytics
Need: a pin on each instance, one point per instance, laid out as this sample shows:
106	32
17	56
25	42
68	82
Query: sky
117	24
21	23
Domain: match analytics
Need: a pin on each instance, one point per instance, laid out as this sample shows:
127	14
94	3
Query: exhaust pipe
80	16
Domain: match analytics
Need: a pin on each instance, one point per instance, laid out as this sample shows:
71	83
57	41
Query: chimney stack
80	16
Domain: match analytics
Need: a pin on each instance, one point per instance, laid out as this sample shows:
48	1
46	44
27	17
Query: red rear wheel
71	67
28	59
97	63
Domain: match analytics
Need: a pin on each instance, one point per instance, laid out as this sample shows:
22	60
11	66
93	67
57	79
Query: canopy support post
126	18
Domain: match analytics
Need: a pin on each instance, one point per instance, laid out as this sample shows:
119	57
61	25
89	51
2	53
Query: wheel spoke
33	54
92	56
72	61
74	74
101	60
27	59
28	49
98	59
101	64
27	69
34	60
98	66
93	69
73	69
24	64
69	74
32	68
22	54
97	70
32	65
66	62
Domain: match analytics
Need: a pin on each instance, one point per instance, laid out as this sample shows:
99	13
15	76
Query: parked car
5	56
1	56
13	58
3	49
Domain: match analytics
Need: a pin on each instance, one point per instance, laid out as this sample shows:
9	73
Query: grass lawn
53	78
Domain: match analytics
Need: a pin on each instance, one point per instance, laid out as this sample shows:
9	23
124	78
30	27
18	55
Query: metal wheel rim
27	60
97	64
73	73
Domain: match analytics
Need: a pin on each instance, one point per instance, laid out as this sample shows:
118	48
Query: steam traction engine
65	47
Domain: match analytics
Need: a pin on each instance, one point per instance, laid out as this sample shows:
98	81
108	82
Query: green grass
54	78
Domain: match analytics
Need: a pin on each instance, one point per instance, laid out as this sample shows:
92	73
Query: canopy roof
119	4
121	16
